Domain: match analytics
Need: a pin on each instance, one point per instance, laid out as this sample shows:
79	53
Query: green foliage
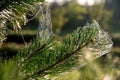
70	14
113	5
53	57
94	13
8	70
13	14
7	4
67	16
75	14
58	19
41	58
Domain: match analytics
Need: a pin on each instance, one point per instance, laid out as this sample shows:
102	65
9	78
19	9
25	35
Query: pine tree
45	55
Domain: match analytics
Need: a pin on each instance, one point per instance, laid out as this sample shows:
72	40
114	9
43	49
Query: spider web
2	31
100	46
45	25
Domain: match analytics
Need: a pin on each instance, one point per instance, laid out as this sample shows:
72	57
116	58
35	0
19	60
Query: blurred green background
66	17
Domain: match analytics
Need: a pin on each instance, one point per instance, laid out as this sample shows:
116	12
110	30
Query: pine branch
62	51
7	4
61	60
66	56
13	14
36	51
60	56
